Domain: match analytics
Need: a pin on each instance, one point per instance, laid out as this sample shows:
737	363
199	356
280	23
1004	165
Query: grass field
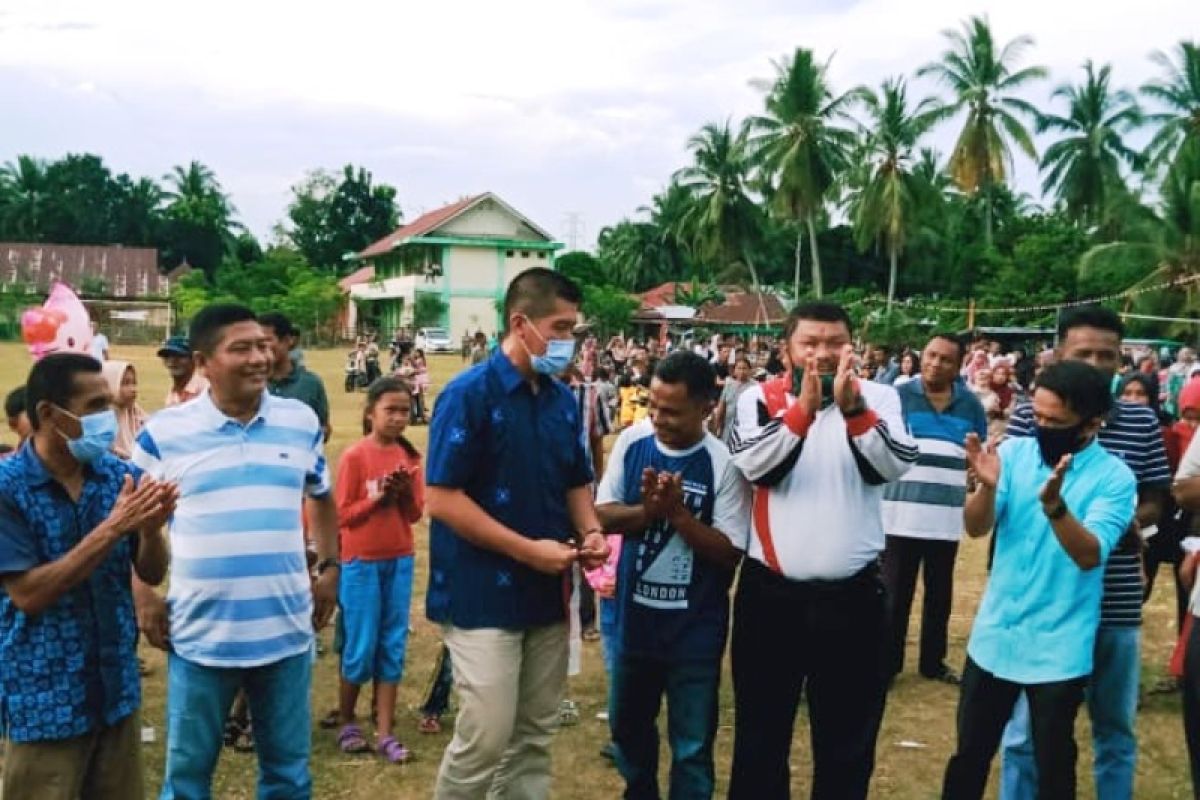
918	729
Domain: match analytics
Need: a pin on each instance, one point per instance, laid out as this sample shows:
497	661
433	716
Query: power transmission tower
574	229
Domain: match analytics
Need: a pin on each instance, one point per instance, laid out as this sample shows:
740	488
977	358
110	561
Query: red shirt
370	527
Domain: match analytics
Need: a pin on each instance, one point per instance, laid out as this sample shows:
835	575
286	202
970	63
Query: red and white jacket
819	479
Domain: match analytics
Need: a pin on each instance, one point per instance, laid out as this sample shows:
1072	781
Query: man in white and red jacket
810	612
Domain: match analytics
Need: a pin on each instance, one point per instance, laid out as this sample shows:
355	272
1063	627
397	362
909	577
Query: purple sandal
351	740
394	751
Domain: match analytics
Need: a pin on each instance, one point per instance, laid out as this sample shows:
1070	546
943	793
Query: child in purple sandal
380	496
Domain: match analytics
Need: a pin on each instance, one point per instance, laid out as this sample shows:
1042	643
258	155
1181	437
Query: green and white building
465	254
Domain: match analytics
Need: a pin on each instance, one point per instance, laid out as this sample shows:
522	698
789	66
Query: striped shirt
927	502
240	593
1133	434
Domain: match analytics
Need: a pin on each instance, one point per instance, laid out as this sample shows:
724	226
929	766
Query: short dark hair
1080	385
816	311
14	403
1090	317
205	332
53	380
279	323
684	366
955	340
534	291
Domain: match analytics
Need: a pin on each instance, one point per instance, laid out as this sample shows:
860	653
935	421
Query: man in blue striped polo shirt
922	512
1132	433
242	608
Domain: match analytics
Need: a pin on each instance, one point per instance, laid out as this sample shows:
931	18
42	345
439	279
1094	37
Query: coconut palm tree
982	78
200	224
725	221
23	198
1084	166
800	145
1179	93
884	208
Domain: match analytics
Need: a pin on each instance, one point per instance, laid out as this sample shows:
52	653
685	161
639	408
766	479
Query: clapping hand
983	464
809	392
1051	493
140	505
398	486
845	386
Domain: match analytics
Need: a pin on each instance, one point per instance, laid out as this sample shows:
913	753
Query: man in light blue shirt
1058	503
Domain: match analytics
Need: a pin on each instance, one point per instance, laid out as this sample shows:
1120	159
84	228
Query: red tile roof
362	275
421	225
740	307
122	272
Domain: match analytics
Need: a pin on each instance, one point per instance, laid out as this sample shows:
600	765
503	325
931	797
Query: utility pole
574	229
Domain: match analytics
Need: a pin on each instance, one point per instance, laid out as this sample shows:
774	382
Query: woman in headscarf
122	382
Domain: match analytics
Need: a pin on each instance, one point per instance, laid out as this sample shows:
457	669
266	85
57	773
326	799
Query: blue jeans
638	686
1112	695
198	700
375	597
608	633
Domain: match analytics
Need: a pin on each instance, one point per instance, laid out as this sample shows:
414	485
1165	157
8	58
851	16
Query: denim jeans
1112	695
198	700
638	686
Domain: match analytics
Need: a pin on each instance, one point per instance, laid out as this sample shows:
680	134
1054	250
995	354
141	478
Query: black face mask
1058	442
826	386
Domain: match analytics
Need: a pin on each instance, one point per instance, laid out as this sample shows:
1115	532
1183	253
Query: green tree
670	213
23	197
1179	93
633	255
884	209
1084	167
799	146
137	215
200	222
428	309
725	221
581	267
331	216
982	77
608	308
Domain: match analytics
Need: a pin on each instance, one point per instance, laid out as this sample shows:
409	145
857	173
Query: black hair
534	291
744	359
279	323
1081	386
601	374
816	312
957	341
52	380
205	332
378	388
1090	317
692	370
14	403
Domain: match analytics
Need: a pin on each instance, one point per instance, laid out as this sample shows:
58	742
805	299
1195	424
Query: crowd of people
794	483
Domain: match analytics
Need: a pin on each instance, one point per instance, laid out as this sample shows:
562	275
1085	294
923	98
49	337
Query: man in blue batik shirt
684	508
74	520
510	499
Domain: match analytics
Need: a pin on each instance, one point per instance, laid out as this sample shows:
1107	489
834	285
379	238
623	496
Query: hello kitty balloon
60	325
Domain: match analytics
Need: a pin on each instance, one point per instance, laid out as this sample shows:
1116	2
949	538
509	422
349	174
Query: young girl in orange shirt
380	495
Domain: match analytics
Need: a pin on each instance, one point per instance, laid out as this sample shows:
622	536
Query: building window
542	256
509	253
524	254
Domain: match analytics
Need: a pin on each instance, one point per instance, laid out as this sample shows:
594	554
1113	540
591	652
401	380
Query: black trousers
827	639
1164	548
985	705
902	558
1191	703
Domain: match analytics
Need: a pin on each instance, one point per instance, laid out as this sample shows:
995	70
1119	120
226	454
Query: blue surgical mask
99	433
558	356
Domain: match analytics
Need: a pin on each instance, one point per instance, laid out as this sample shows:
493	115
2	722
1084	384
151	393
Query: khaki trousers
510	685
105	764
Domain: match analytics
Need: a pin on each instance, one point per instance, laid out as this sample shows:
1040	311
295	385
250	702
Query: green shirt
305	386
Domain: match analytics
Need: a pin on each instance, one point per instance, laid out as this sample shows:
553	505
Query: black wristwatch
1058	512
326	564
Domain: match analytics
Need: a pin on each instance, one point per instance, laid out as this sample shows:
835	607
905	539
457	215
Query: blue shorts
375	597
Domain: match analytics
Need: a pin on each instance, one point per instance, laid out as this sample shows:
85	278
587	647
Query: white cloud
571	103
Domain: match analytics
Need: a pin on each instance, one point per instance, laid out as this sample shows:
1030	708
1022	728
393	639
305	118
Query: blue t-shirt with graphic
671	604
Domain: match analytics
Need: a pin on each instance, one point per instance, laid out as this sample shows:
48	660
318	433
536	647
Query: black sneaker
944	675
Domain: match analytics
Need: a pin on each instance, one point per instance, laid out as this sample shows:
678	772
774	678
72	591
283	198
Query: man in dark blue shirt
73	519
673	490
510	502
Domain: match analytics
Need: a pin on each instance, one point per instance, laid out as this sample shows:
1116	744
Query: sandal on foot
568	713
394	751
244	741
430	725
351	740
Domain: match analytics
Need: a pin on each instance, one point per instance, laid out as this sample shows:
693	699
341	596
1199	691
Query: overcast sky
558	105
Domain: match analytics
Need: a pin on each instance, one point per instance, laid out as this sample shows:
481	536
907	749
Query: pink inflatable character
59	325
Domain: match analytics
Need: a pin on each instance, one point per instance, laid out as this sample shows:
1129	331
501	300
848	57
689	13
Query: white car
434	340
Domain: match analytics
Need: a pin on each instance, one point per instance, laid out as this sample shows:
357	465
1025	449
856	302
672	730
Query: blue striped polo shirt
927	502
1131	433
240	593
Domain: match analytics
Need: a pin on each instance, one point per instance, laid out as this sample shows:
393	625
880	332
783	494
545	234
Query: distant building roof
92	271
739	306
361	275
432	220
